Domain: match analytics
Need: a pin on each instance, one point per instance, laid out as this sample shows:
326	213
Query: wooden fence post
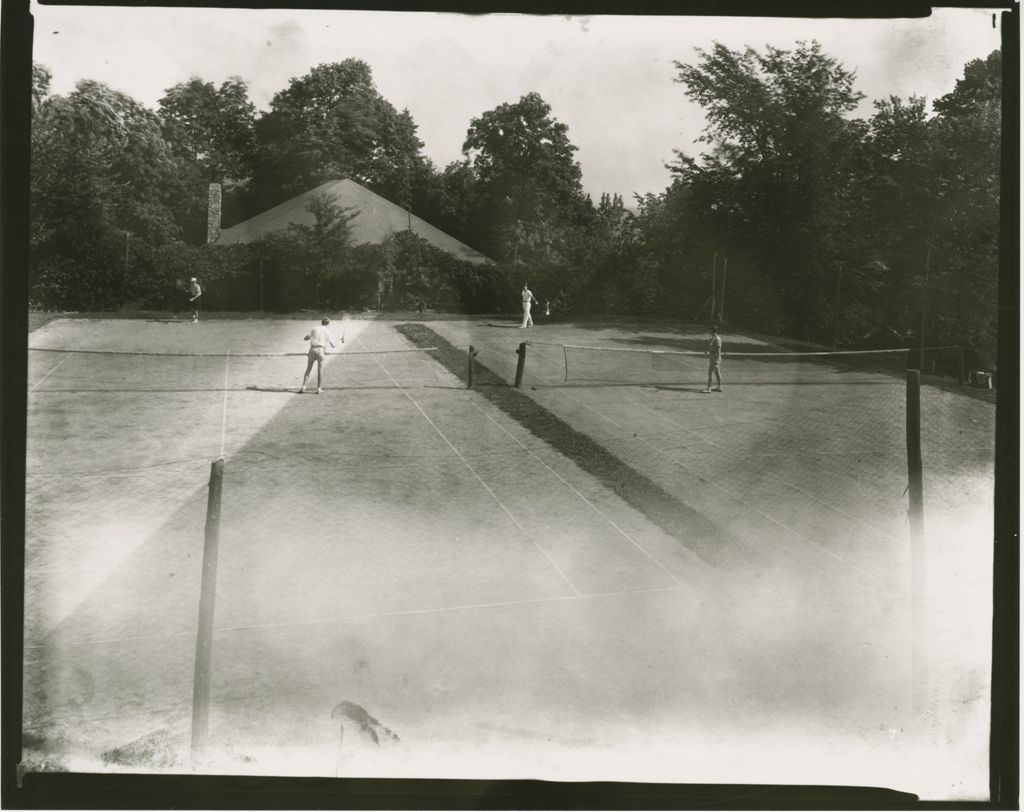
918	573
471	367
520	365
207	602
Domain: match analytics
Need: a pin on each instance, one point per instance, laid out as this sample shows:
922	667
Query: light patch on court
92	559
895	759
91	552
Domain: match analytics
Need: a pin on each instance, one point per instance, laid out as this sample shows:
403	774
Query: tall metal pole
835	312
918	573
471	368
714	272
721	305
207	603
924	304
520	365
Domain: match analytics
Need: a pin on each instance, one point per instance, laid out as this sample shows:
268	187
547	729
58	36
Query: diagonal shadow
690	527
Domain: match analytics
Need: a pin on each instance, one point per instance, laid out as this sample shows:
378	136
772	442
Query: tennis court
411	583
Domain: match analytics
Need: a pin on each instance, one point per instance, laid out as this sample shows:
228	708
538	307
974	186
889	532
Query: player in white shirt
320	339
194	293
528	298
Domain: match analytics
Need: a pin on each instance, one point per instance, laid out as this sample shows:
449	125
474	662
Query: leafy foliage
210	131
333	123
795	217
839	227
102	175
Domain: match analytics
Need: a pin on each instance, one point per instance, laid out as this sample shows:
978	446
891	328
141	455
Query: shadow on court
341	515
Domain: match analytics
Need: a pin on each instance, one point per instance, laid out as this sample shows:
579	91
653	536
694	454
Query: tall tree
530	208
982	84
780	160
211	127
102	177
210	131
41	78
333	123
967	135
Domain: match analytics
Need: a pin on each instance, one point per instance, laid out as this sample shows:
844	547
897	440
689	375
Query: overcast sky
609	78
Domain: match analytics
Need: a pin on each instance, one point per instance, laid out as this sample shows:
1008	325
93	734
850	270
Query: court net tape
99	370
385	351
643	365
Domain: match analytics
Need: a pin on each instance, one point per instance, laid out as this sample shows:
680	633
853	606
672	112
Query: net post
207	601
520	365
919	648
714	280
471	367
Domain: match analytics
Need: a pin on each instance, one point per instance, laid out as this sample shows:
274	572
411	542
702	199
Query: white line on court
479	478
48	374
728	493
374	615
224	410
565	482
51	723
763	469
457	608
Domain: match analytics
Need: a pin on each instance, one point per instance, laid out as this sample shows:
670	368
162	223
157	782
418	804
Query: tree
210	131
967	138
102	177
333	123
41	78
773	185
618	284
934	202
982	85
211	128
323	256
529	211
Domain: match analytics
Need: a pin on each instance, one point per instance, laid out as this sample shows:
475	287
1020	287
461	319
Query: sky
611	79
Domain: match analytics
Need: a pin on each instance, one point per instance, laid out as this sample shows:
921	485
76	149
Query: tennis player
528	299
320	339
194	292
714	354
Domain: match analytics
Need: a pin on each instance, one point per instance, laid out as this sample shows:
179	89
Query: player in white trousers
528	299
319	339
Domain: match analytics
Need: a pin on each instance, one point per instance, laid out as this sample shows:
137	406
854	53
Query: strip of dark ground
690	527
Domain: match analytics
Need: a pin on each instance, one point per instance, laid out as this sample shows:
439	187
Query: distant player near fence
320	339
195	293
714	354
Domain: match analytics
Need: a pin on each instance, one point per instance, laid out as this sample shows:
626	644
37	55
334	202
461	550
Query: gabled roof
375	220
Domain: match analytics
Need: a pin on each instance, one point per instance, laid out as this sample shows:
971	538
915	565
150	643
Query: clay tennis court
401	560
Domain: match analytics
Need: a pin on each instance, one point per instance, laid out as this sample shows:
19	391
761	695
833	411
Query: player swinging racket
714	354
194	293
319	339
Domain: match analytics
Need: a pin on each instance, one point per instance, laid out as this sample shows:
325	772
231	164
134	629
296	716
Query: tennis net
61	369
681	367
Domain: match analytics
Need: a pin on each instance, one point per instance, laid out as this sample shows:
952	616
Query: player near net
320	339
714	353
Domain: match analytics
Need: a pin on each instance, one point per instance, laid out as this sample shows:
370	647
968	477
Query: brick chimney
213	213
